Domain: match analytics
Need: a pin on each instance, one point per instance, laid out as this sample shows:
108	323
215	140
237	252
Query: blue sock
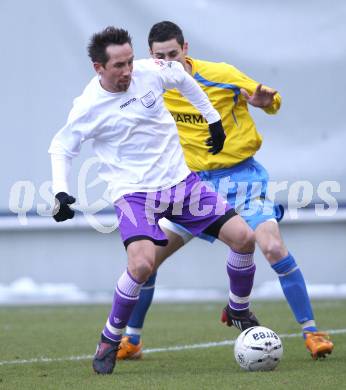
142	306
134	338
293	286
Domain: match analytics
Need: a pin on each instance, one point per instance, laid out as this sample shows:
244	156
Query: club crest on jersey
148	99
159	62
163	63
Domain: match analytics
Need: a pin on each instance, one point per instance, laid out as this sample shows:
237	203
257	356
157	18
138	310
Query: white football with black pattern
258	349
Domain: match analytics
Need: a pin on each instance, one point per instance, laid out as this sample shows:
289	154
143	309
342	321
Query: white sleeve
78	128
67	141
61	166
193	92
66	144
175	76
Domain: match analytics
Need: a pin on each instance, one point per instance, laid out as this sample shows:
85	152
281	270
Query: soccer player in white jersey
121	110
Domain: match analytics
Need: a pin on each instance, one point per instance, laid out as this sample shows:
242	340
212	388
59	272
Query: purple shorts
190	203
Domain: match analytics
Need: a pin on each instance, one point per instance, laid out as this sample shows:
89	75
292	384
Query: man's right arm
65	145
61	166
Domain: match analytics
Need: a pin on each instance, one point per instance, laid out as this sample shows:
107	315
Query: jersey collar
189	60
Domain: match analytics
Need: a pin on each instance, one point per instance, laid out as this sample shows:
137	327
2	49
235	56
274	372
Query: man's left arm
254	93
263	97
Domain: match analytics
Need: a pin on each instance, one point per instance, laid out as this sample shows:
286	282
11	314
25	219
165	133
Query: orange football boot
319	344
129	351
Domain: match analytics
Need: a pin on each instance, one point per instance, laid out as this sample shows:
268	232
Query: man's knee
269	239
141	261
238	235
143	268
274	249
244	240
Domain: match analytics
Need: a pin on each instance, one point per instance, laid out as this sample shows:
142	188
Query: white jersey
134	135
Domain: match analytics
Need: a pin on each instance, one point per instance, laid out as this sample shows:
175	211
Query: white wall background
297	47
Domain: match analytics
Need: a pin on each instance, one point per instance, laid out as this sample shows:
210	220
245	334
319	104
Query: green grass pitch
66	336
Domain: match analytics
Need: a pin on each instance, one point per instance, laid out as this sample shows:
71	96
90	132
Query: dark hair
165	31
101	40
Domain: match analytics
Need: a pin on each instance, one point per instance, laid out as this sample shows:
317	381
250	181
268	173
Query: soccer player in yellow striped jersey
223	84
230	92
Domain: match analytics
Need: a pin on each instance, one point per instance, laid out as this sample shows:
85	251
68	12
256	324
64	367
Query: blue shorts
244	186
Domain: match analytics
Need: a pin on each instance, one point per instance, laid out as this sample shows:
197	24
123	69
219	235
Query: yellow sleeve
243	81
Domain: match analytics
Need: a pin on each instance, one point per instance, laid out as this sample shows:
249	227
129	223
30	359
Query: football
258	349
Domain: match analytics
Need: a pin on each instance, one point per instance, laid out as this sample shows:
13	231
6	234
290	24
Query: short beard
123	87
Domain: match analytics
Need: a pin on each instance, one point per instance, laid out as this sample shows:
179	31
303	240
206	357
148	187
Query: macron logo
127	103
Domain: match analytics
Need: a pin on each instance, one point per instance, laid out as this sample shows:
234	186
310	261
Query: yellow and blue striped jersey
222	83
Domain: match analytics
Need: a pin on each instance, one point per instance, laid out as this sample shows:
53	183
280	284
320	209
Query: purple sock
241	272
125	298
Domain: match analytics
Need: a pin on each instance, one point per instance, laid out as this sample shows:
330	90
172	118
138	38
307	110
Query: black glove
217	138
62	210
